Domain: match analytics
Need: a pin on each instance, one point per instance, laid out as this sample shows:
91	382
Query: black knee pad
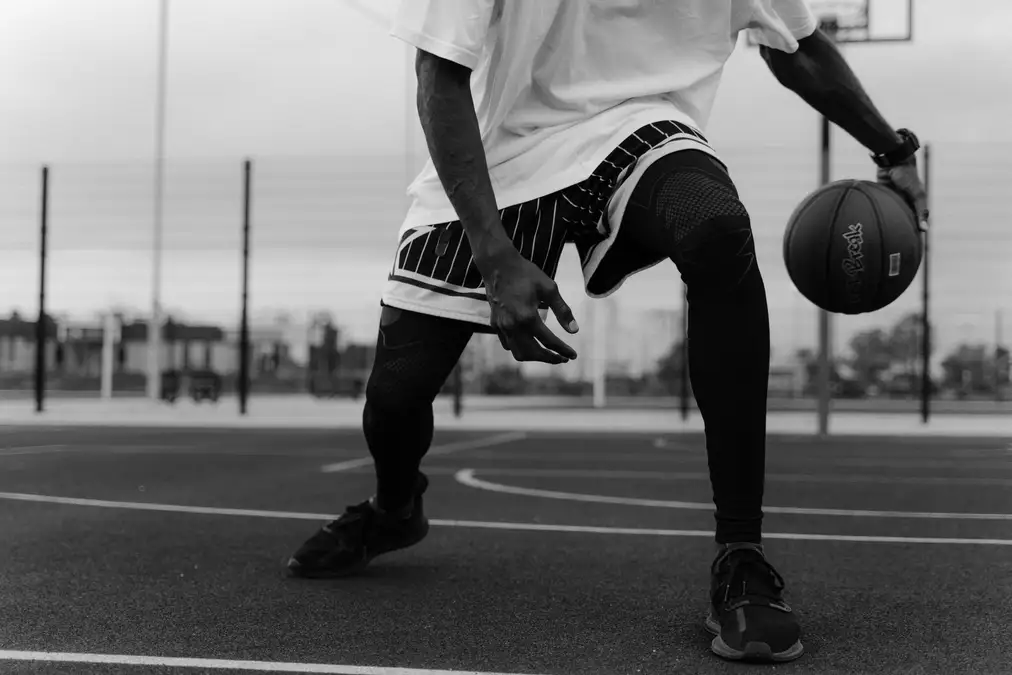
698	205
720	255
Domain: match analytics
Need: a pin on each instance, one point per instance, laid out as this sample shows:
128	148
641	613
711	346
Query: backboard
864	21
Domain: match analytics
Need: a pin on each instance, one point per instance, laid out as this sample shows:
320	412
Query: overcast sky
317	93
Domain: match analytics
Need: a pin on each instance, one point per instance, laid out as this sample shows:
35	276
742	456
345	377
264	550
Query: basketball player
580	121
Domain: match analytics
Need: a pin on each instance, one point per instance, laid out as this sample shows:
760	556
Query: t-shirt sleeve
455	30
779	24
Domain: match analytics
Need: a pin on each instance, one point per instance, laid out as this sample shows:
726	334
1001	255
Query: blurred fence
324	224
323	231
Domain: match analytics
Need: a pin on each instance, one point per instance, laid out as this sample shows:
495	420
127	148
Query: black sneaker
748	615
346	546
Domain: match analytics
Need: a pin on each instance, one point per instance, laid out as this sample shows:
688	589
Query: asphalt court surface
554	554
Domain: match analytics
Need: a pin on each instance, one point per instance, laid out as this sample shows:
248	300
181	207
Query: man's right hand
516	288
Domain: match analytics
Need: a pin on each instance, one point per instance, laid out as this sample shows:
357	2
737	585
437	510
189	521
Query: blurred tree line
882	361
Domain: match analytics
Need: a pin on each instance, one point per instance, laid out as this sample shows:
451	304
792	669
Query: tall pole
598	341
998	321
825	319
244	350
926	305
458	389
825	323
998	362
109	322
683	398
40	325
154	327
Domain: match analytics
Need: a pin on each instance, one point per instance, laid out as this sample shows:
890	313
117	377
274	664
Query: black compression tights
415	354
684	208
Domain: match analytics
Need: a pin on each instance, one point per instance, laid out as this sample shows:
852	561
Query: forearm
820	75
446	111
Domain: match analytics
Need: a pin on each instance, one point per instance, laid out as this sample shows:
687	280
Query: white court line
222	664
655	457
940	452
708	534
444	449
172	508
203	451
486	525
32	450
611	474
466	477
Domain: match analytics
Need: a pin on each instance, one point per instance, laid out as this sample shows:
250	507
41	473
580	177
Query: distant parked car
171	383
205	385
201	385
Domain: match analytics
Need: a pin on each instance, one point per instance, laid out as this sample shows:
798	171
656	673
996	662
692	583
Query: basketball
852	247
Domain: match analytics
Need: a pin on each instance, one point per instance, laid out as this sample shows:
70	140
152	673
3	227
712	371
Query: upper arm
810	51
780	24
454	30
435	72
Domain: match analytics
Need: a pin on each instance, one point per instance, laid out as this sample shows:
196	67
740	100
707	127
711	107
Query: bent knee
402	384
715	246
721	254
696	217
415	354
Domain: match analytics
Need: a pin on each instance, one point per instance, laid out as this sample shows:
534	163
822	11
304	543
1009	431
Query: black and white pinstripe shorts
434	273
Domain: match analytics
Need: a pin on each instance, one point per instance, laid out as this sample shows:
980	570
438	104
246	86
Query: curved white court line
466	477
612	474
222	664
491	525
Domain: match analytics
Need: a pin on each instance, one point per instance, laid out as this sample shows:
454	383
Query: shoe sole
333	573
757	652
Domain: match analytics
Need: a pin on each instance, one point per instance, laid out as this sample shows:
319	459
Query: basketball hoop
845	20
864	21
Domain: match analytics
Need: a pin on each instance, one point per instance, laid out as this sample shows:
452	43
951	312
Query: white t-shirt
557	84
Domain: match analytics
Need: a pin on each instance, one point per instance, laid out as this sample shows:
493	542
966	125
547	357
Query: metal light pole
244	346
154	326
42	323
926	301
683	375
825	371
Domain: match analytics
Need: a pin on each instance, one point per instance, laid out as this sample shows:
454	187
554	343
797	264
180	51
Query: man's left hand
903	178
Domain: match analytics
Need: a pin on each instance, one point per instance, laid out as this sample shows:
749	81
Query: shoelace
750	573
351	514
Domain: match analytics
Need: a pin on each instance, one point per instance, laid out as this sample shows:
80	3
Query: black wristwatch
901	153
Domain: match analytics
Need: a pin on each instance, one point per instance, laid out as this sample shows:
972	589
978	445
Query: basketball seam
883	255
832	234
